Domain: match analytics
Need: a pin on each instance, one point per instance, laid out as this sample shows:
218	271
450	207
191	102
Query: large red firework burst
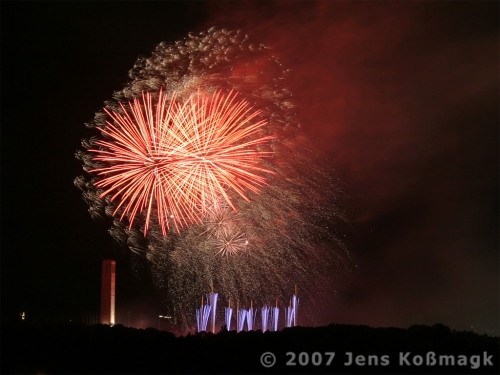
179	157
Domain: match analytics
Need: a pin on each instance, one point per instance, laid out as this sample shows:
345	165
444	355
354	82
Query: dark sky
402	97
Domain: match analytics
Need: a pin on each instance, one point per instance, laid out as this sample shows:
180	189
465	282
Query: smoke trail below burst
253	237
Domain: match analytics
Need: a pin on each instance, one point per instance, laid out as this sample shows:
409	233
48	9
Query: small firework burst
224	228
231	242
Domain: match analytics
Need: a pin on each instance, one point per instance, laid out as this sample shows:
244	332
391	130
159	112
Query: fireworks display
204	172
178	156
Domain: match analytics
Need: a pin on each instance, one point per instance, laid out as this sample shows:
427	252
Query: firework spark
179	156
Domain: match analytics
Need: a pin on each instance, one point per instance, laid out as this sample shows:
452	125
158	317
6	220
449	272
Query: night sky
401	97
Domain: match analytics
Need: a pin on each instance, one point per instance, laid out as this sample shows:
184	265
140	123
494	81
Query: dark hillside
72	348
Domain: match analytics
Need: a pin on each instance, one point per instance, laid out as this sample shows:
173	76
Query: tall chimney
108	292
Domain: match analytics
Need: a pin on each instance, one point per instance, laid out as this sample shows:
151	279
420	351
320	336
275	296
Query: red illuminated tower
108	292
